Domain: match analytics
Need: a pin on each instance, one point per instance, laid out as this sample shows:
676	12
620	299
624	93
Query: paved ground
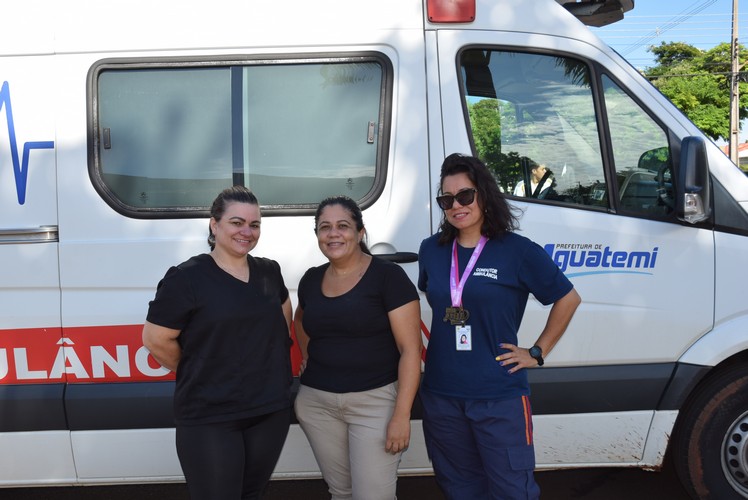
581	484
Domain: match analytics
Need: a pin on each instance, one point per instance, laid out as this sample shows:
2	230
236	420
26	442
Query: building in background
742	155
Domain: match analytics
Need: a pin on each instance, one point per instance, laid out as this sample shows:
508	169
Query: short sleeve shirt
235	345
351	346
509	268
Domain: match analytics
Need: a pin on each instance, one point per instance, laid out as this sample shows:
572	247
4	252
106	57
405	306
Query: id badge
462	338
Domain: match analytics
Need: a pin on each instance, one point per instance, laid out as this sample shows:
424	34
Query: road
582	484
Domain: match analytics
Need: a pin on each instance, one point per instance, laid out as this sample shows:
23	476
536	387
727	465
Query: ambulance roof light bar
451	11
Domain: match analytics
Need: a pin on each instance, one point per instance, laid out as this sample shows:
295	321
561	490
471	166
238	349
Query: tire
710	445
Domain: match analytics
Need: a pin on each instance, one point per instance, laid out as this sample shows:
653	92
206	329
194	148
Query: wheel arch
718	349
720	344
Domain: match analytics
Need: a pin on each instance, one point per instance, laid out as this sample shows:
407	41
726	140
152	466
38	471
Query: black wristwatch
537	353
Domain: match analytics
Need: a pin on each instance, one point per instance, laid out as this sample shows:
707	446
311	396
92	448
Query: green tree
486	120
670	54
698	83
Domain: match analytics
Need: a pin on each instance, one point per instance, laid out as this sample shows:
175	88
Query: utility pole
734	88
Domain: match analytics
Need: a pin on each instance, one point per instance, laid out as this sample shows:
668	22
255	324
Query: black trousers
232	460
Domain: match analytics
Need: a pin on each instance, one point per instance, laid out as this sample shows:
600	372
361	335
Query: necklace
358	269
335	283
241	274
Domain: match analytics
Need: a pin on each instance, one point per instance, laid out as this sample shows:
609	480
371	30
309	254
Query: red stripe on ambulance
79	354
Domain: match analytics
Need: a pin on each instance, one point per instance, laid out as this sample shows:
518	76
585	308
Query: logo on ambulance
591	258
20	165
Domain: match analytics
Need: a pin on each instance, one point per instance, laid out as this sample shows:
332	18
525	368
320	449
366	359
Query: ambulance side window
641	156
169	135
534	124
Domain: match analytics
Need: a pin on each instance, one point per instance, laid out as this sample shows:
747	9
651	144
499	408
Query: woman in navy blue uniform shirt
477	274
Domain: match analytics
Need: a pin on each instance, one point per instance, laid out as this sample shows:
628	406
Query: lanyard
456	288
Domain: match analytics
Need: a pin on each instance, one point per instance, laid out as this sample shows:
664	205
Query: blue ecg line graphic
20	170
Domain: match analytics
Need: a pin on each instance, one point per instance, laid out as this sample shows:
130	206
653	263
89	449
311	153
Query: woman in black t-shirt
221	322
358	325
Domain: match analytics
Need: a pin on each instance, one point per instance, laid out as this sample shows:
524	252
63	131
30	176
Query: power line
680	18
631	22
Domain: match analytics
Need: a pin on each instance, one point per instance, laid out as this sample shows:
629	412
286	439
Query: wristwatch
537	353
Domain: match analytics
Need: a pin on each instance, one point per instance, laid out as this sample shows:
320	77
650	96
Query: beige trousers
347	433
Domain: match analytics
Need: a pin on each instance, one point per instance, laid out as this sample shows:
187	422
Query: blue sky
701	23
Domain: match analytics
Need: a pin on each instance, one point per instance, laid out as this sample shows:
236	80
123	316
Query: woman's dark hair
498	216
352	208
234	194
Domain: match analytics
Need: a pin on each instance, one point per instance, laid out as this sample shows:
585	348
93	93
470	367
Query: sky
700	23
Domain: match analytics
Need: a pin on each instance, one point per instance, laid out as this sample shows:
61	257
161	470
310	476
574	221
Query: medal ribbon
456	288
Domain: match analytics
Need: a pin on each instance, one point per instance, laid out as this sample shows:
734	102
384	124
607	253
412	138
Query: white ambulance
120	121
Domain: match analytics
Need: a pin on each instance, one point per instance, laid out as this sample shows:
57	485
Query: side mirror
693	198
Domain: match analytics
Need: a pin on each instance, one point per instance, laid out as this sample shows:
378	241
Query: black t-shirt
351	346
235	346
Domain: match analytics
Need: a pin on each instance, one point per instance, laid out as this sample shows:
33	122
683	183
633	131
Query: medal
456	315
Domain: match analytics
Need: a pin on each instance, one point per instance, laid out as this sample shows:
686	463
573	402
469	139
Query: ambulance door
32	419
604	213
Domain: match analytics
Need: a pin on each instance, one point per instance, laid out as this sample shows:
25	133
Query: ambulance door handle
40	234
399	257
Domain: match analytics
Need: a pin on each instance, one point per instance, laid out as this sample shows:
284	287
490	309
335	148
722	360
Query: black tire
710	445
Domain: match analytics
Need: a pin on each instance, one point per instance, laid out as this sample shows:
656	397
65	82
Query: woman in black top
221	322
358	325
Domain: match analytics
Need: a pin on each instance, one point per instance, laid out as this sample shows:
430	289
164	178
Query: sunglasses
464	198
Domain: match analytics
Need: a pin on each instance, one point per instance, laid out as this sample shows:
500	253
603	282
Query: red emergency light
451	11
